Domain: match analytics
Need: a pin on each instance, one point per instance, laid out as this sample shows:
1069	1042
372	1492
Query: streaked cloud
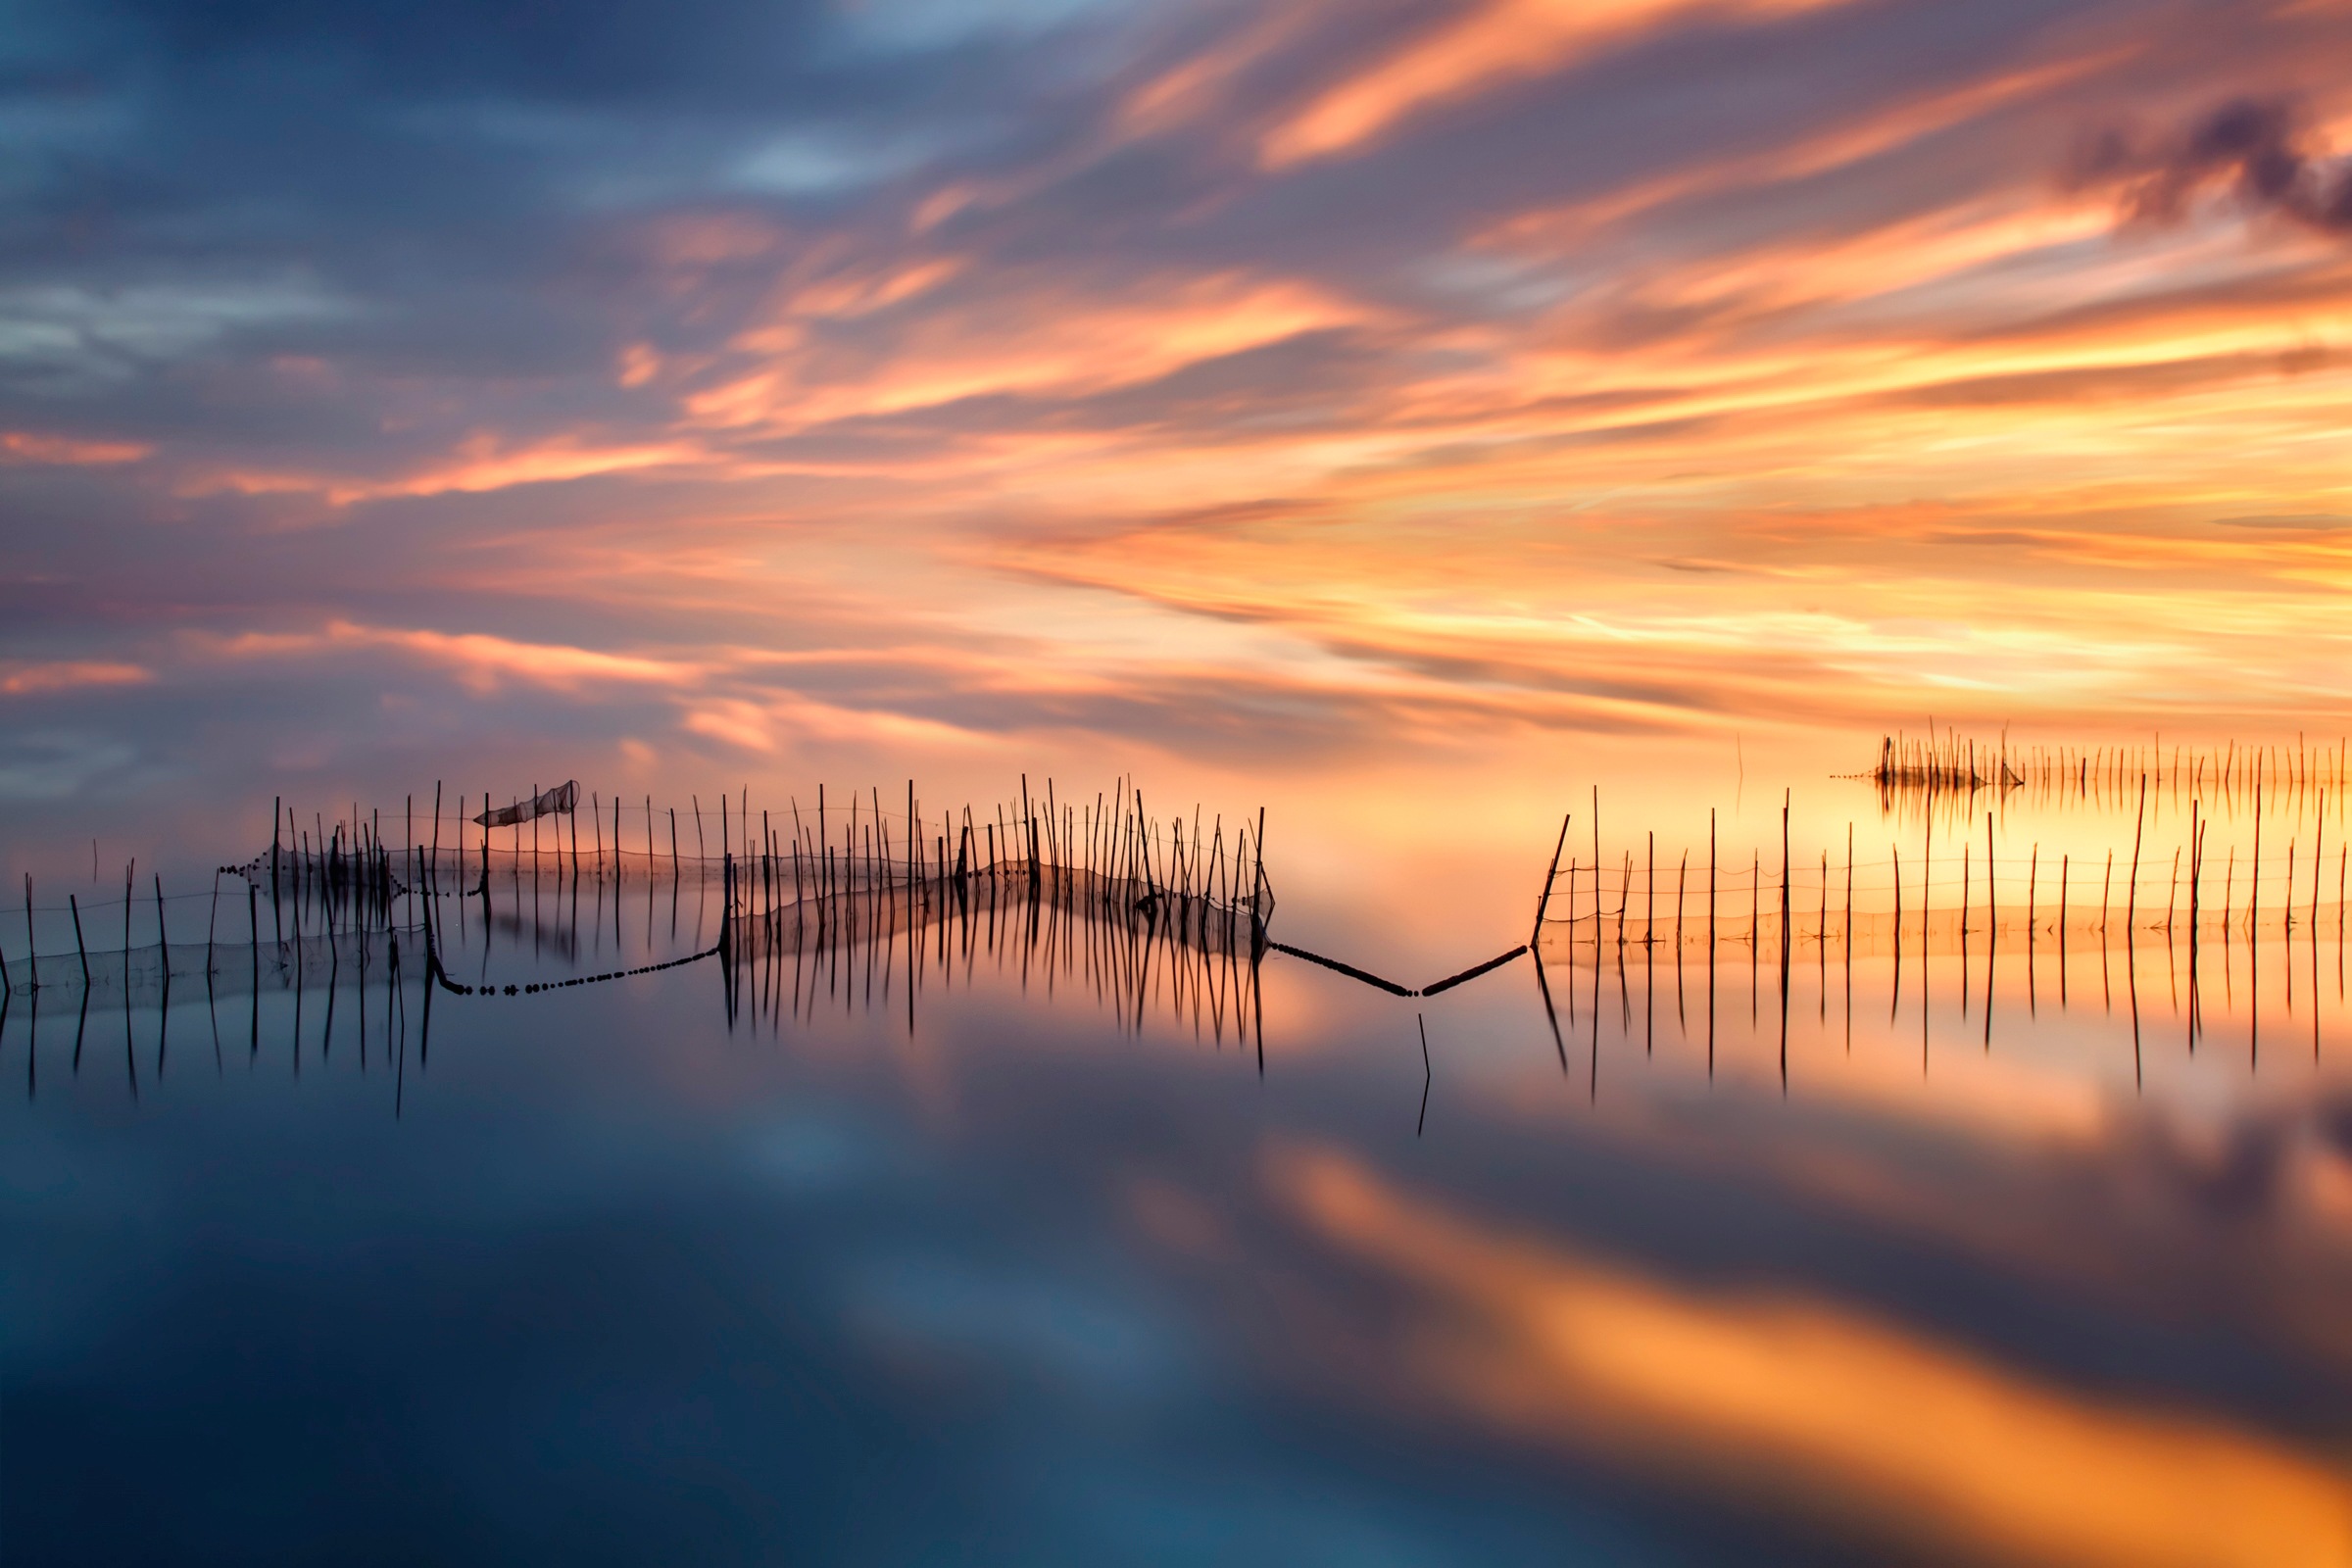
1498	43
1404	367
27	445
25	678
479	661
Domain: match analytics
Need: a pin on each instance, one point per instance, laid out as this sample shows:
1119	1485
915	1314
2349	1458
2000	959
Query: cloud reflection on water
1800	1403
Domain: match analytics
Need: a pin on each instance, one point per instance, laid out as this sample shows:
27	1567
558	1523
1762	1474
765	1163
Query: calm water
963	1224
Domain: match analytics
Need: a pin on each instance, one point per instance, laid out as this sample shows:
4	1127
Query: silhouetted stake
1258	878
2254	888
80	951
1543	903
2131	900
2318	829
162	944
1649	882
1596	874
1992	901
1682	875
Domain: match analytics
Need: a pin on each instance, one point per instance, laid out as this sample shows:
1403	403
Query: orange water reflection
1797	1403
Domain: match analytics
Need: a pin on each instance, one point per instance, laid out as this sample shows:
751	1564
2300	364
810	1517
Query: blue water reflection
1002	1232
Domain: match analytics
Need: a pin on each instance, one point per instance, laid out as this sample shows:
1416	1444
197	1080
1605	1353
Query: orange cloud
479	661
1502	40
1800	1403
1012	341
24	446
482	464
764	723
19	678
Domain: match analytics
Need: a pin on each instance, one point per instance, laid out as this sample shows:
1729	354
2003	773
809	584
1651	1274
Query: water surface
987	1220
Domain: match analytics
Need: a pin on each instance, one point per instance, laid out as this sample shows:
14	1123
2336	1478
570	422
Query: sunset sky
713	383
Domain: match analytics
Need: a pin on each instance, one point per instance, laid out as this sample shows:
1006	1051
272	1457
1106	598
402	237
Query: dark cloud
2255	149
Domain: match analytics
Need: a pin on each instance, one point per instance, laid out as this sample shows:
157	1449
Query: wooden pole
162	943
1543	903
1783	891
1258	848
2318	827
2254	894
1596	865
1992	903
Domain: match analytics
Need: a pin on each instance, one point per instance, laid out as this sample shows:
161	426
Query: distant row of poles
1950	760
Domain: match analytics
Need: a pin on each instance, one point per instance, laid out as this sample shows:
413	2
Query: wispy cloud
477	661
1495	43
25	678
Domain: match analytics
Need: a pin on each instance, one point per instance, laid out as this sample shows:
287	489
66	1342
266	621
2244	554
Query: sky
1192	388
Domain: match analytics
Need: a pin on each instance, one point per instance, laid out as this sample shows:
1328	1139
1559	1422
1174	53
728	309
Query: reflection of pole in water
1821	942
1785	943
1426	1075
1967	858
2196	871
1992	932
2254	939
2286	930
2318	827
1848	944
2032	979
1894	999
2131	985
1592	1088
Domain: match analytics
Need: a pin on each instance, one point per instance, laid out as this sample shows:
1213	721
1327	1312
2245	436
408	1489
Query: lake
843	1199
